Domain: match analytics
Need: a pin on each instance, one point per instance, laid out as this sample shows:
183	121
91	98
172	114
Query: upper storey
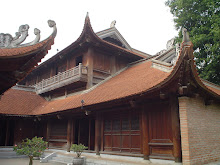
90	59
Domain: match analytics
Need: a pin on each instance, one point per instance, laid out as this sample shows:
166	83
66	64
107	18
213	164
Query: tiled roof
21	51
19	102
132	81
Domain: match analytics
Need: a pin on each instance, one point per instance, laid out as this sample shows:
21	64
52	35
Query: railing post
80	69
42	84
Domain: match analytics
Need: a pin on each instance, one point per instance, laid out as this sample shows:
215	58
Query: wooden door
160	131
122	133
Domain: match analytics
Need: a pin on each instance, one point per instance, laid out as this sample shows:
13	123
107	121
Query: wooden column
113	65
51	71
102	134
48	133
73	132
7	133
69	130
67	64
98	133
175	128
89	63
18	132
145	134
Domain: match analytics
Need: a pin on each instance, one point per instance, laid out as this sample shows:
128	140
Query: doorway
85	133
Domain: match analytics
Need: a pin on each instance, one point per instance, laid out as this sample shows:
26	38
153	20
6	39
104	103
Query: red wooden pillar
18	132
175	128
69	129
98	134
113	64
67	64
48	133
145	134
89	63
73	132
7	133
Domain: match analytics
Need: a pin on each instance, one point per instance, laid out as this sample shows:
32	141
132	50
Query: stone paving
23	161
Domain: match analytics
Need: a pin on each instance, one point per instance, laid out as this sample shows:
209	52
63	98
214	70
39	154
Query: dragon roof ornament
7	41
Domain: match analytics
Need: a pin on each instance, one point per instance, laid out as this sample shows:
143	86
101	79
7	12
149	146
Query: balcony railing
61	79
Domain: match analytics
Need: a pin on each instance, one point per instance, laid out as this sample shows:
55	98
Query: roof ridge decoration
7	41
113	24
191	76
113	32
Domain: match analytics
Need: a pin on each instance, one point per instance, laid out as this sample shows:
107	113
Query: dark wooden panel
122	132
107	141
161	150
57	137
57	144
116	140
125	141
102	61
160	122
135	141
58	128
160	131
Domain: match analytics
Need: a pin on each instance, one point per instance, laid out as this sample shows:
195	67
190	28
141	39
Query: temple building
101	92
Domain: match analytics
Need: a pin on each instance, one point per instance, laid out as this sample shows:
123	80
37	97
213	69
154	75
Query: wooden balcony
78	73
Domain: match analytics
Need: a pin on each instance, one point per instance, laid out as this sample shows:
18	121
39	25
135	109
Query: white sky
145	24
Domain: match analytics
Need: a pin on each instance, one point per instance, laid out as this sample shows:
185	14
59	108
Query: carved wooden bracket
183	90
132	103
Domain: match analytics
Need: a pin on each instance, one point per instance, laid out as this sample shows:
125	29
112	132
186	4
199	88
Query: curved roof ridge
22	50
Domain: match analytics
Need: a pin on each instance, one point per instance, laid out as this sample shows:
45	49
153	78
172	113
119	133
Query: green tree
32	148
78	149
202	19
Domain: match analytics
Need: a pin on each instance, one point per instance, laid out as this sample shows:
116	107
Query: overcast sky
145	24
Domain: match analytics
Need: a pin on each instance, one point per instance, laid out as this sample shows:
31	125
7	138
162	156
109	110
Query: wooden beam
98	133
69	129
145	134
175	128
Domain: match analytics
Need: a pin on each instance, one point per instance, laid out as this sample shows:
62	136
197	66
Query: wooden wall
122	132
58	133
160	130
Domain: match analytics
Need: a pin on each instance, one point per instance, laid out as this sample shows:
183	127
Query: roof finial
87	14
113	23
185	35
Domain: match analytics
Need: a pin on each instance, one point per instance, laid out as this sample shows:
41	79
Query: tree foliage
78	149
202	19
32	148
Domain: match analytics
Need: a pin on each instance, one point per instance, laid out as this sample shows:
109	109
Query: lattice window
116	125
135	124
108	125
125	124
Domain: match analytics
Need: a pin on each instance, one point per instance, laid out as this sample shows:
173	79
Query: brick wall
200	131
